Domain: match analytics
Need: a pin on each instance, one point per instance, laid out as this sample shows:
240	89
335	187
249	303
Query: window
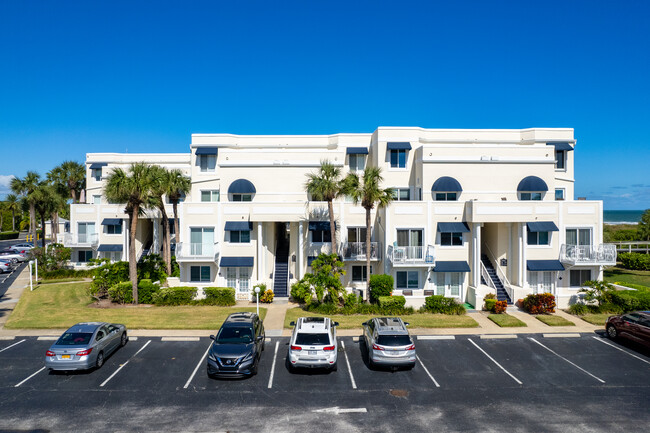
446	196
114	229
398	158
359	273
530	196
86	232
240	237
539	238
207	163
238	279
201	241
97	199
320	236
409	243
211	195
85	255
448	283
96	173
113	256
541	282
401	194
580	237
357	234
242	197
560	159
451	239
357	162
559	193
200	274
577	277
407	280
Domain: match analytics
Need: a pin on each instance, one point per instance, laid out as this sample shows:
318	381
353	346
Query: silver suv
388	343
313	344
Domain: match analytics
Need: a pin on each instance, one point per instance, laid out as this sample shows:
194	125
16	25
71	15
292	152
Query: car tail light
296	348
50	353
328	348
375	347
84	352
411	347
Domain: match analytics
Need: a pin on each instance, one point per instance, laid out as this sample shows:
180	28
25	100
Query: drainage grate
399	393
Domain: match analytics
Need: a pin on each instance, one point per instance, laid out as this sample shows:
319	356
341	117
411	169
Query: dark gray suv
237	347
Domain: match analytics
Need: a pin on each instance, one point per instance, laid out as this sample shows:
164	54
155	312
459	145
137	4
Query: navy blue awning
357	151
398	145
236	262
544	265
447	184
453	228
451	266
112	222
108	247
320	225
310	260
532	183
98	165
241	186
542	226
236	226
561	146
207	150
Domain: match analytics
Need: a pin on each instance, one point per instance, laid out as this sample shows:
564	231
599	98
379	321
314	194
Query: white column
476	254
509	257
388	237
522	254
299	265
260	252
156	235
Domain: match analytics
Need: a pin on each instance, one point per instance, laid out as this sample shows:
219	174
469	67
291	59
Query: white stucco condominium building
474	212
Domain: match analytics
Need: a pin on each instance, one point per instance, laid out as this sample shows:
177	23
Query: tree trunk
176	228
133	260
368	252
73	195
32	223
1	219
55	226
13	220
330	209
43	228
165	239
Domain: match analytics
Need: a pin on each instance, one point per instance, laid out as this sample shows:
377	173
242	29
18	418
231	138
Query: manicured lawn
596	319
552	320
418	320
63	305
506	320
626	276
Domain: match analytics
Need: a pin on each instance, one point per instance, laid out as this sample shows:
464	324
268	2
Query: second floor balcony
357	251
197	252
602	255
411	255
80	239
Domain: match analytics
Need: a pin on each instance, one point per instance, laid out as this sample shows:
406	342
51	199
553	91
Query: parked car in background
13	255
85	345
22	247
388	343
633	326
313	344
6	266
237	347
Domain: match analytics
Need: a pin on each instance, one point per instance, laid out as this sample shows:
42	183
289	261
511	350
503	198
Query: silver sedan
85	345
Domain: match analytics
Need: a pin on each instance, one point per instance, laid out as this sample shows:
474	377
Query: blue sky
112	76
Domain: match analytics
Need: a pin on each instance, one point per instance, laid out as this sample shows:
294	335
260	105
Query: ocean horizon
622	216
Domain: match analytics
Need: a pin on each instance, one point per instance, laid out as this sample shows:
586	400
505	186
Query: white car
13	256
313	344
5	266
22	247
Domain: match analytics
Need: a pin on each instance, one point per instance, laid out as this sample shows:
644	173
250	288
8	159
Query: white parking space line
124	365
6	337
436	337
25	380
427	371
493	360
180	339
347	361
618	348
497	336
562	357
572	335
133	338
15	344
275	355
197	367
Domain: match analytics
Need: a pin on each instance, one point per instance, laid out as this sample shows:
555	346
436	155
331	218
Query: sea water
622	216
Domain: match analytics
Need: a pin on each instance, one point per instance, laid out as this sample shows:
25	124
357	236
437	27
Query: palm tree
25	187
46	201
177	186
13	204
368	193
3	207
69	176
160	185
325	185
133	187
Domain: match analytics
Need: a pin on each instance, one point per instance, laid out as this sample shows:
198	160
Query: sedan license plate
311	352
65	356
396	352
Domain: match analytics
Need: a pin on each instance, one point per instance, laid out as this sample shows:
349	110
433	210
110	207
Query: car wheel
612	332
254	368
14	261
124	339
100	360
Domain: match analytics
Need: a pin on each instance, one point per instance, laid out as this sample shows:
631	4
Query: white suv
313	343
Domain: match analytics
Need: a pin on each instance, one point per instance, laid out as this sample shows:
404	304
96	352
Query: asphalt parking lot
7	278
161	384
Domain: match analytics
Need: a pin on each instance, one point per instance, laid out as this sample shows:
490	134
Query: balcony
80	240
197	252
603	255
357	251
414	256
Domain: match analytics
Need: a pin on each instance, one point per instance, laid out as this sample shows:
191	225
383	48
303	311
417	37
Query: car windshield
312	339
230	334
74	339
393	340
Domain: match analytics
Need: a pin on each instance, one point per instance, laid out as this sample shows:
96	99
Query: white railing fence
486	277
357	250
587	253
501	275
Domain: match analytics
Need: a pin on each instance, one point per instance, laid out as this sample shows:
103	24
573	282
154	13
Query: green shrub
606	308
121	293
223	296
579	309
441	305
490	296
635	261
391	304
152	267
374	309
146	289
489	304
66	273
174	296
8	235
106	276
540	304
351	299
301	292
631	300
380	285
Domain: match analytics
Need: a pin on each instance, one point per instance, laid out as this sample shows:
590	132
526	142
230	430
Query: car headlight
211	356
247	357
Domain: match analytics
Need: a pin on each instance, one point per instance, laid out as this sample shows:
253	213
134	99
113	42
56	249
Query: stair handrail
501	275
487	278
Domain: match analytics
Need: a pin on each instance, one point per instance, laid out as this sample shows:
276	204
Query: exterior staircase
502	295
281	273
145	251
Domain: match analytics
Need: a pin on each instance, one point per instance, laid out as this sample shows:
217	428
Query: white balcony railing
80	239
604	254
197	251
410	255
357	251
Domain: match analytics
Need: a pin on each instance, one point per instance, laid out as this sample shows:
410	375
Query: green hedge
66	273
174	296
490	304
223	296
8	235
380	285
440	304
635	261
631	300
146	289
329	309
121	293
392	303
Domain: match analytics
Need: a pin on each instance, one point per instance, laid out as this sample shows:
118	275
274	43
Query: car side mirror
365	323
260	338
336	323
212	337
292	324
